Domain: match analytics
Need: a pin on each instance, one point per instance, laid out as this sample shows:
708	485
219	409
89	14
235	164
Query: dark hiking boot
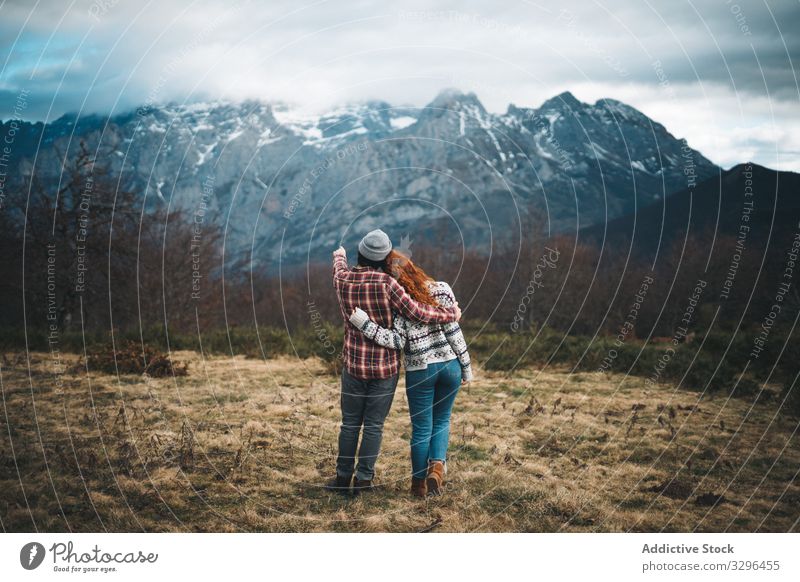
339	485
418	487
360	486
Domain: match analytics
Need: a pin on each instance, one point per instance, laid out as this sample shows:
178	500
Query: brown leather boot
418	487
339	485
435	478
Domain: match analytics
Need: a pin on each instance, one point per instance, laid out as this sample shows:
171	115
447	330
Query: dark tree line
89	257
84	255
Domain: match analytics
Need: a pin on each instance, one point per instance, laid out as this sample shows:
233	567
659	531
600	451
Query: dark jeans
367	403
431	393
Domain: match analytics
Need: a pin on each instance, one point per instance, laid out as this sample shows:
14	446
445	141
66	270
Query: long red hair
413	279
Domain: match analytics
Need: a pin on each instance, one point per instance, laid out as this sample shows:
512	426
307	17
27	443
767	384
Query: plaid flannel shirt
378	294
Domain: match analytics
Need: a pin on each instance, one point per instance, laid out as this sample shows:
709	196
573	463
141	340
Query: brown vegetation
245	445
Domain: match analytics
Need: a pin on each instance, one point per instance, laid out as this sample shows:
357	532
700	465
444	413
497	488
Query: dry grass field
244	445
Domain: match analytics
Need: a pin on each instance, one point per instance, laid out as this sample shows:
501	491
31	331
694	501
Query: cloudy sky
717	72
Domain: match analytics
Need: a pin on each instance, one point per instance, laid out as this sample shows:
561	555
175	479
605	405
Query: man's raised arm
339	261
415	311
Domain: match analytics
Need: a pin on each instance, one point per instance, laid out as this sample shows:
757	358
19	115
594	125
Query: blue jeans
431	393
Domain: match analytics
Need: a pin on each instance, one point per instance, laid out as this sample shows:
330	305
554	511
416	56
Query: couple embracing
390	305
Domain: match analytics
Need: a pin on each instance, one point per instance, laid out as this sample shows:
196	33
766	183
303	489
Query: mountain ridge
312	181
714	206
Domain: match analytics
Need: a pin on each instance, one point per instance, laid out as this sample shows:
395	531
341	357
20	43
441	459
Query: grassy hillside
244	445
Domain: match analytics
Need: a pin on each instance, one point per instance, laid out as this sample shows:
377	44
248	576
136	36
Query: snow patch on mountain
302	124
266	138
402	122
204	153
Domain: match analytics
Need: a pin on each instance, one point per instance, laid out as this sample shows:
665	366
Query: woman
437	363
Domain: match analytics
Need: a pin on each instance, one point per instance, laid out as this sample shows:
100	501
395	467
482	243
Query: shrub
133	358
323	341
791	391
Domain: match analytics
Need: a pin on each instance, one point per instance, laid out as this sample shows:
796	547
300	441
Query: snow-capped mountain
288	184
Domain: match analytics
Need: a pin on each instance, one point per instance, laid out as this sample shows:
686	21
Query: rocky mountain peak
562	101
456	100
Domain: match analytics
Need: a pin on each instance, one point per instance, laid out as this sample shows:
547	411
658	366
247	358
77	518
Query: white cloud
323	53
728	128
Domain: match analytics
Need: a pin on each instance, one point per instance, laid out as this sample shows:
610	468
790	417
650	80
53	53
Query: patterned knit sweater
424	343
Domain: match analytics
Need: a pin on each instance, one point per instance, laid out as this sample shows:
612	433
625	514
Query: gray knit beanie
375	246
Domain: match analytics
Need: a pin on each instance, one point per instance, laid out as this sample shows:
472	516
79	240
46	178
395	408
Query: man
370	371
